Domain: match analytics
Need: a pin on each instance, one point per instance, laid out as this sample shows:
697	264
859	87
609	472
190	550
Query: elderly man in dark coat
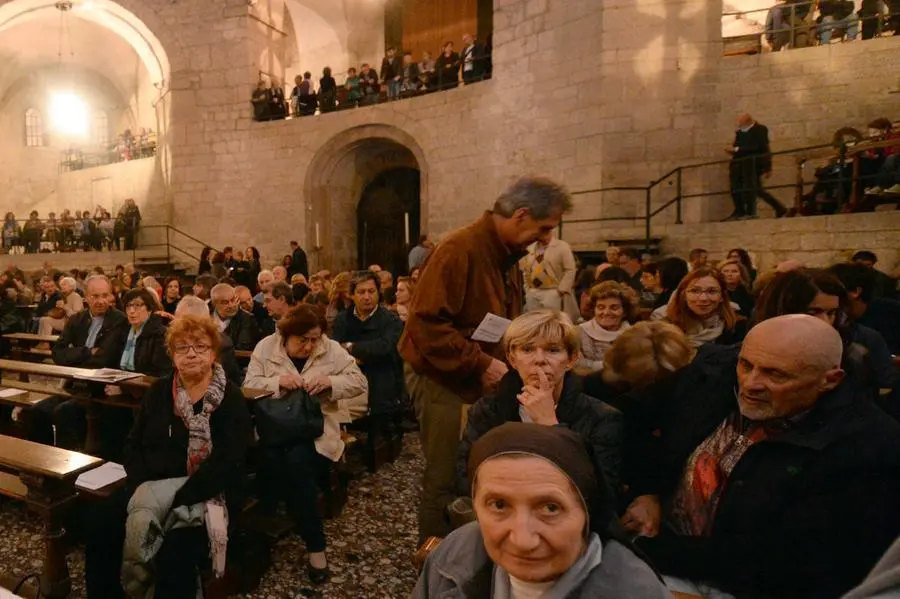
772	475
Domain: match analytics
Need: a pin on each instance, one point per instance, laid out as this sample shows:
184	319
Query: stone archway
336	179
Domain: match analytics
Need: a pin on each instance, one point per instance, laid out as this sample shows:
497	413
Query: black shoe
318	575
733	216
781	213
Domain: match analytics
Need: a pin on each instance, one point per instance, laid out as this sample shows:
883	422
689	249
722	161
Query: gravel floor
370	546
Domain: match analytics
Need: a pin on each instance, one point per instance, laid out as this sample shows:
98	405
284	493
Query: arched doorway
387	219
374	171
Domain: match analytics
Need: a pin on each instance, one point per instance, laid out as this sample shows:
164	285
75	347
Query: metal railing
176	242
808	23
666	195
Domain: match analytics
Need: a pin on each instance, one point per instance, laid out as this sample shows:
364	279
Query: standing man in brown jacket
472	273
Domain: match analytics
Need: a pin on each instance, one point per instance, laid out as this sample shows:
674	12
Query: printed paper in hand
491	329
99	477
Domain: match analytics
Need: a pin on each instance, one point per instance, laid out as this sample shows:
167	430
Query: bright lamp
68	115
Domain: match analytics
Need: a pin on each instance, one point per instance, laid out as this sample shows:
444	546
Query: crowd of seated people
877	170
400	76
69	233
694	426
805	23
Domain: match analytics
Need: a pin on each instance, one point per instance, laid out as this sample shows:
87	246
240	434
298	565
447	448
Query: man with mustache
771	474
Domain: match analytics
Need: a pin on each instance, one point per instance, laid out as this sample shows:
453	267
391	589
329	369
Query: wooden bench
44	477
31	338
134	389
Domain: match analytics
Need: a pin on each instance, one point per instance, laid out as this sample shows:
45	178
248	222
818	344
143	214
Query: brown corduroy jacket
470	274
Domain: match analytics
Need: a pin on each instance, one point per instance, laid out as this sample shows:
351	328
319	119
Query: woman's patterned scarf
199	448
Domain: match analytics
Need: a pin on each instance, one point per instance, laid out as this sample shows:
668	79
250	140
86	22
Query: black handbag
288	420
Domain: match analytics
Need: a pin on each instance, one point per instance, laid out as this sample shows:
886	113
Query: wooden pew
335	491
44	477
24	346
29	337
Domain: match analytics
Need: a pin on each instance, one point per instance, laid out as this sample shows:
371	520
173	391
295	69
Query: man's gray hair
68	281
542	198
93	278
263	273
221	291
282	290
191	305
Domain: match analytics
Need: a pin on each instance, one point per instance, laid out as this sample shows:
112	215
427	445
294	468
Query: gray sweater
461	569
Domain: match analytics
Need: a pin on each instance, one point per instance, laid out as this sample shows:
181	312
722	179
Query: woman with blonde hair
541	347
700	307
338	298
613	305
737	282
406	288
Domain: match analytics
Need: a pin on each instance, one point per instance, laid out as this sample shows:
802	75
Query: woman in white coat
300	356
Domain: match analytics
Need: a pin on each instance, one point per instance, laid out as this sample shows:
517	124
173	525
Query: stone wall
596	94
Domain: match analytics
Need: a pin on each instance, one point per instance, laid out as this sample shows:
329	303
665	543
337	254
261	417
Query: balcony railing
804	23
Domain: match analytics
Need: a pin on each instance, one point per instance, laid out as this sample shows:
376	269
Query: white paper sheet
108	375
491	329
11	392
99	477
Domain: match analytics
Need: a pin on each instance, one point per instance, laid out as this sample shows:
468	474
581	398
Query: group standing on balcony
400	76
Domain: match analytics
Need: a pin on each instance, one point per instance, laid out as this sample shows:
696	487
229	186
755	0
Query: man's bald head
744	120
786	364
806	339
192	306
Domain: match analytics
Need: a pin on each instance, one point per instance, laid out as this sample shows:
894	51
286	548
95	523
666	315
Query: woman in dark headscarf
542	526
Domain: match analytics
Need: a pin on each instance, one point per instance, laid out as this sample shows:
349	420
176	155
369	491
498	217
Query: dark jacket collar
511	385
832	417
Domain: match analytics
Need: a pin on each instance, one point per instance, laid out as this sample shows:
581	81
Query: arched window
34	128
101	129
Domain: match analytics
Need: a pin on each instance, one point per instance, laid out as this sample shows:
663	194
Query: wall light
68	115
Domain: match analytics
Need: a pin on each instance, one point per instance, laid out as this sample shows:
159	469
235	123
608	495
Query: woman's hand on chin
538	401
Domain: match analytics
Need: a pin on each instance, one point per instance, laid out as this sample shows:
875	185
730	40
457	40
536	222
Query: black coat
447	70
375	347
156	448
391	68
744	299
299	263
243	331
46	303
150	354
70	349
754	143
600	425
803	515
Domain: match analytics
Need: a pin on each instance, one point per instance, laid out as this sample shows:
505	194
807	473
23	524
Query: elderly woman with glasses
542	529
300	356
701	308
185	460
142	347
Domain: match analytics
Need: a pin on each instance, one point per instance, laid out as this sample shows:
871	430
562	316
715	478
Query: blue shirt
127	362
93	331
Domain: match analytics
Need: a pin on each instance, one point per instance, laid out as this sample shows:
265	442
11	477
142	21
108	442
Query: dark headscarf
561	447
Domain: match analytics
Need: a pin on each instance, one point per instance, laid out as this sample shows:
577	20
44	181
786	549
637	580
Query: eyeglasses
309	340
135	306
708	292
199	349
